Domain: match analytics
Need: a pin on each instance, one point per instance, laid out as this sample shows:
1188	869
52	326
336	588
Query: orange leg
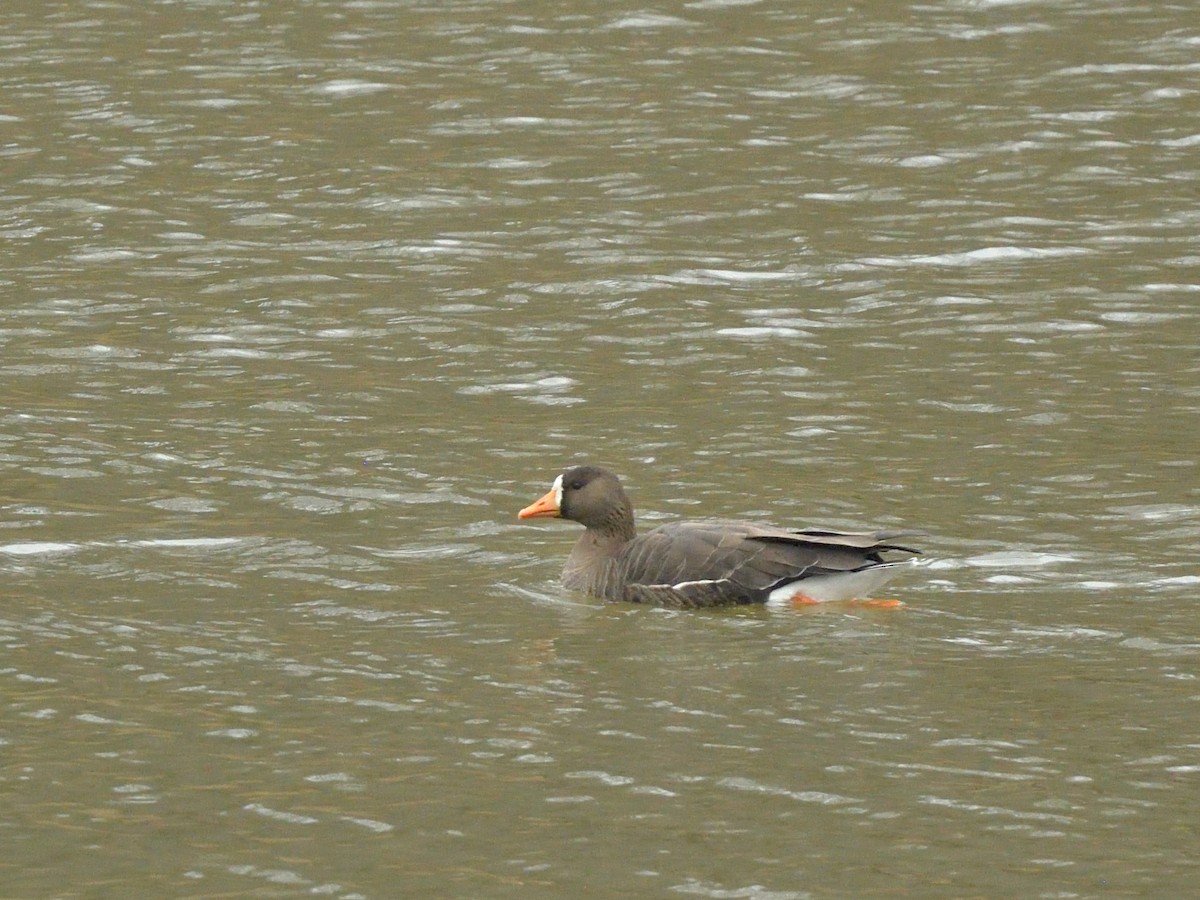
879	604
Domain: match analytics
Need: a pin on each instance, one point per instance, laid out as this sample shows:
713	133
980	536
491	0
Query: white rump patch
841	586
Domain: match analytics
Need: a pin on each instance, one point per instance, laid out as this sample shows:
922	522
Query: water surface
303	303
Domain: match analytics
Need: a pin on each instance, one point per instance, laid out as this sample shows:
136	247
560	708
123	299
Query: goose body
707	562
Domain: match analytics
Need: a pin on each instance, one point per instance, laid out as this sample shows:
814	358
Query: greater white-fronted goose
707	563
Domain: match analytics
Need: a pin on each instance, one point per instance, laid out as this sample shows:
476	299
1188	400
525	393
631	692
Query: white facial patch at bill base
558	492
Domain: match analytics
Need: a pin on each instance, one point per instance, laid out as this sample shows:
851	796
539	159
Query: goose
706	563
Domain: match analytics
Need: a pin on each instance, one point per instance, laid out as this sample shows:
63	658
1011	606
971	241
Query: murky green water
301	303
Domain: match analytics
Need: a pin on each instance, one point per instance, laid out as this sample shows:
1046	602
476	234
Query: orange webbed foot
879	604
802	601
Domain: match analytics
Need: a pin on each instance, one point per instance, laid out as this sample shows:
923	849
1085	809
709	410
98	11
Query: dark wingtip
912	550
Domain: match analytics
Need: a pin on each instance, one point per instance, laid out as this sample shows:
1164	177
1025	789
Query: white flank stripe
684	584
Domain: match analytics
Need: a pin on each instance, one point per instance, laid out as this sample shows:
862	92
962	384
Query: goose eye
577	484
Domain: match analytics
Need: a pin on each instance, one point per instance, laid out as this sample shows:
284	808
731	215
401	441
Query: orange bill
547	507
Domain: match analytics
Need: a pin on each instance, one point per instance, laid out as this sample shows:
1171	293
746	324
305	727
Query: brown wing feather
721	563
865	540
